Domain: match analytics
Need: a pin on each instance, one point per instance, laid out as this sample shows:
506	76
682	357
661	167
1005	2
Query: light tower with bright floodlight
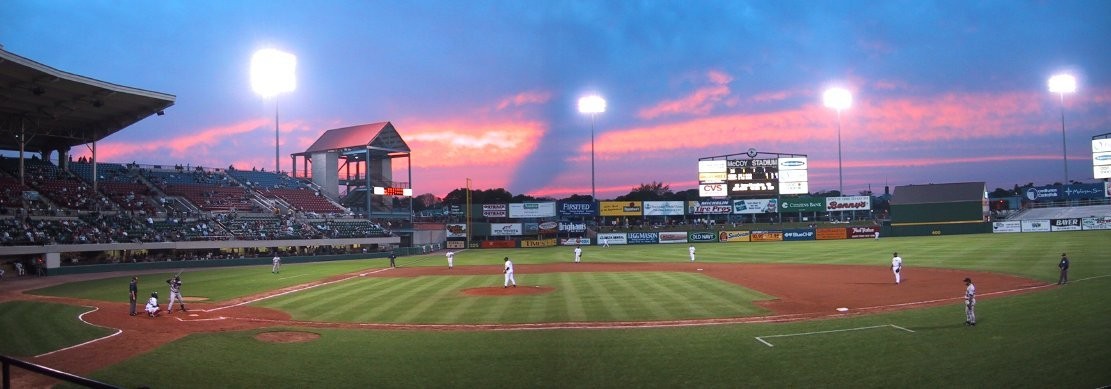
592	105
273	73
838	99
1061	84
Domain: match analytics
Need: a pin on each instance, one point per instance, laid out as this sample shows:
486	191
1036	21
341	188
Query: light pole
593	105
1061	84
838	99
272	73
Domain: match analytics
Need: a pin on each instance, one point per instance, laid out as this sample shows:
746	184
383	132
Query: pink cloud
470	142
699	102
524	98
184	147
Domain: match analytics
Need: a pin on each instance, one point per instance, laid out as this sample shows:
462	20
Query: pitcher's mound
287	336
510	291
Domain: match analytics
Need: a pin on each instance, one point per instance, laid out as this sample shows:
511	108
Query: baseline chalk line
766	343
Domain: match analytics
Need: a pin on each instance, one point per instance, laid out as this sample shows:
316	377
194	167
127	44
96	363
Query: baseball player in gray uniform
578	254
509	274
277	268
969	302
175	294
450	259
691	250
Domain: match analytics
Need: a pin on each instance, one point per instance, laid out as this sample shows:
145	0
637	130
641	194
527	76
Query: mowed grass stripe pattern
589	297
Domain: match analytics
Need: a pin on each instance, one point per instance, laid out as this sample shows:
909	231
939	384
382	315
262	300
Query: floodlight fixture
1061	84
592	105
839	99
273	72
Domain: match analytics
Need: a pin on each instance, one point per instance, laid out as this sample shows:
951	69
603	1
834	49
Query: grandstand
1062	213
54	207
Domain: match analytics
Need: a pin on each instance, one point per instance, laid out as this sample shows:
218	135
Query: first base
699	269
842	309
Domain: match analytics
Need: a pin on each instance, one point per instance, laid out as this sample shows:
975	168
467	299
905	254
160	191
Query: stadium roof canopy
376	139
56	110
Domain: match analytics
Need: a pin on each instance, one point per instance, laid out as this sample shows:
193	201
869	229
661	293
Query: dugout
940	209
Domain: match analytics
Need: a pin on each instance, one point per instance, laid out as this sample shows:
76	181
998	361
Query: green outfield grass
577	297
31	328
1056	337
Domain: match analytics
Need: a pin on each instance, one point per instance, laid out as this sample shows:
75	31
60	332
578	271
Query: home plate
842	309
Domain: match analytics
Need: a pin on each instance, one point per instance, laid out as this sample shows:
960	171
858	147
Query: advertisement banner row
1053	225
677	208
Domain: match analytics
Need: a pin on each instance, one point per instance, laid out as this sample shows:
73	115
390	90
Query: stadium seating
1063	212
303	200
265	180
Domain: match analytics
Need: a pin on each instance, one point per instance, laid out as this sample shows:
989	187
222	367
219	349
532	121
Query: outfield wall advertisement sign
456	244
613	238
1006	226
830	233
533	243
710	207
456	230
673	237
494	210
734	236
862	232
548	227
766	236
802	204
1096	223
572	227
1070	224
574	242
848	203
506	229
663	208
803	234
1035	226
702	236
642	237
792	175
530	229
754	206
498	244
620	208
1067	192
577	209
532	210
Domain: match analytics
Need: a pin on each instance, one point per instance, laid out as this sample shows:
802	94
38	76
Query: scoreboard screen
753	177
389	191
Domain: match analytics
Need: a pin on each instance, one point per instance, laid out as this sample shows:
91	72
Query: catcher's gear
154	294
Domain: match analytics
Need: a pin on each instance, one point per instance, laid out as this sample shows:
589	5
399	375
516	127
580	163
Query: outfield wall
195	264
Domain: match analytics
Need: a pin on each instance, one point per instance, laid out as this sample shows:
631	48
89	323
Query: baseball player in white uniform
450	259
578	254
969	303
691	250
277	268
896	266
605	242
152	305
509	274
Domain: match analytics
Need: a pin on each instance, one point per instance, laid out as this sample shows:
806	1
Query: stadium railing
7	362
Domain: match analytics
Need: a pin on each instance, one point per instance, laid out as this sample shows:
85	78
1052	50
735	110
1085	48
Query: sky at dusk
951	91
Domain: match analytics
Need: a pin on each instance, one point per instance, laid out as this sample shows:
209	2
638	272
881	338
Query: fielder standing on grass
691	250
508	274
969	302
1064	266
896	266
450	259
277	265
175	294
578	254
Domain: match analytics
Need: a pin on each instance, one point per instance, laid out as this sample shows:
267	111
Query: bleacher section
1063	212
348	228
265	180
264	228
303	200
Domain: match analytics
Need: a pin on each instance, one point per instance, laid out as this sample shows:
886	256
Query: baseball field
744	314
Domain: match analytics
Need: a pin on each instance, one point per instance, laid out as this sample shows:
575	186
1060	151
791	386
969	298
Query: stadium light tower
272	73
592	105
1061	84
838	99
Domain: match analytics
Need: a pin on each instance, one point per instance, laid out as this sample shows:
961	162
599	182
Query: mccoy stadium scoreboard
758	175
